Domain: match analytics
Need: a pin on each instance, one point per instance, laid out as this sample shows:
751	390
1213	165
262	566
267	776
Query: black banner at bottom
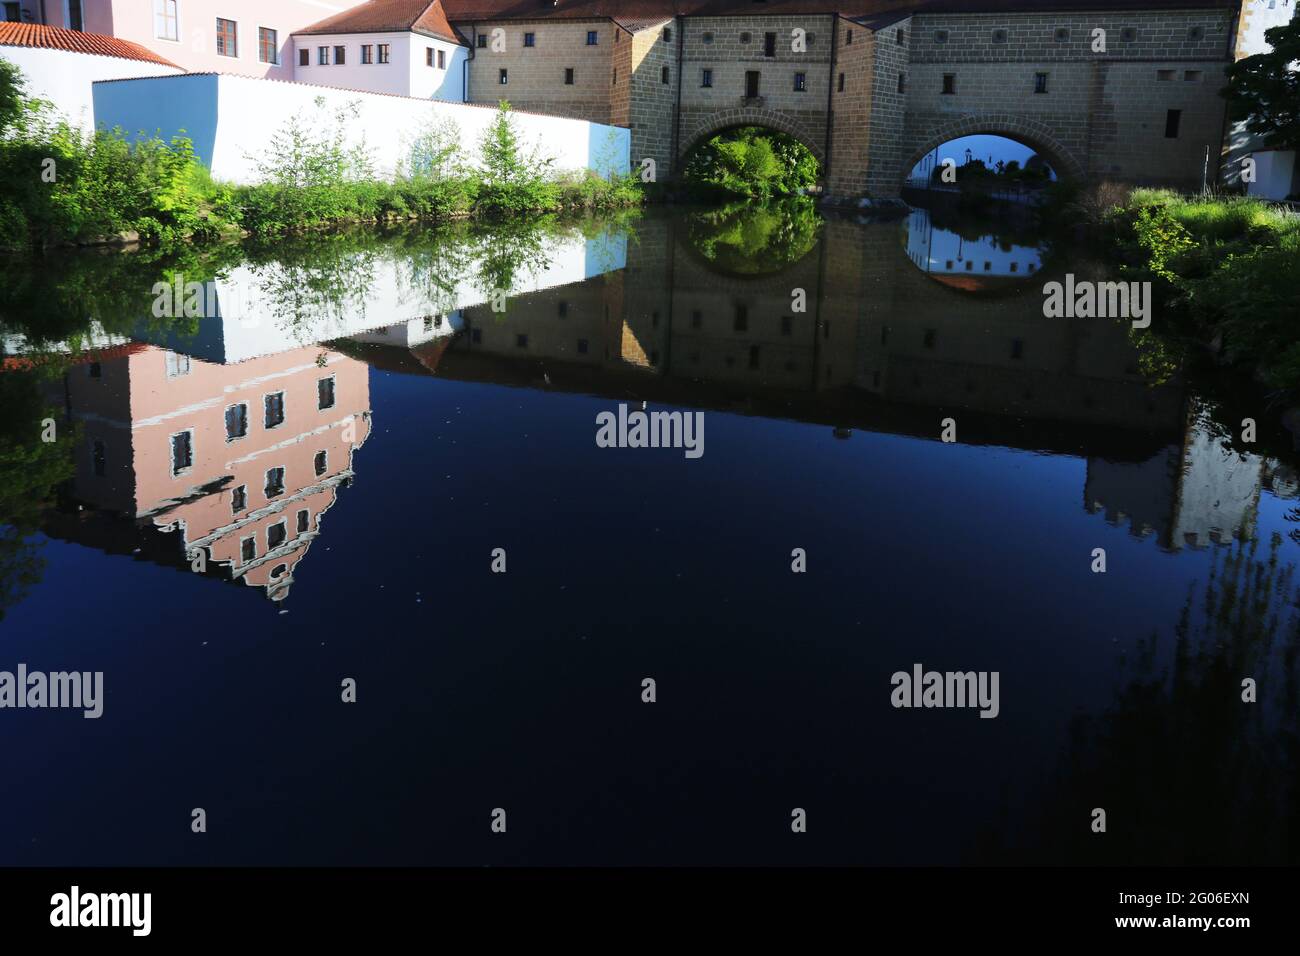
233	905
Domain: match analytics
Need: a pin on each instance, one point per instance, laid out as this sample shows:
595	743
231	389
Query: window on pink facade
166	22
227	38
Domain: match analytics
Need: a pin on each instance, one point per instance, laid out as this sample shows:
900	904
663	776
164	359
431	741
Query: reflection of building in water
1190	495
942	252
239	461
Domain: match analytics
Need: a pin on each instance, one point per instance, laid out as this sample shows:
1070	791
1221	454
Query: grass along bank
1225	272
62	186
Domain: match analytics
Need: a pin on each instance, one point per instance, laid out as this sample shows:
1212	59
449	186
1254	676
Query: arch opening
745	160
985	164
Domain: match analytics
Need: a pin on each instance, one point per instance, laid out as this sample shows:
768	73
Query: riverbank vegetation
60	185
1224	271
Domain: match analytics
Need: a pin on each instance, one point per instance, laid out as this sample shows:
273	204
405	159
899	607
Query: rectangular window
236	421
1172	119
839	86
166	24
275	535
582	346
177	365
322	462
1165	75
562	308
751	84
304	520
848	37
323	56
800	82
950	83
706	79
428	56
503	76
568	76
787	324
247	549
668	34
902	82
98	459
182	452
482	41
274	482
75	19
367	53
442	59
95	370
530	39
304	57
663	75
521	341
769	44
1192	76
273	409
741	323
268	45
1040	82
227	38
592	37
383	52
238	499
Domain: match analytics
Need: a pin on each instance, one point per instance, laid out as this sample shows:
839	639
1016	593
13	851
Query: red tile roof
389	16
74	41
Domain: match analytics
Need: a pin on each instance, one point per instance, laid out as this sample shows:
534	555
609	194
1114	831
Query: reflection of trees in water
30	470
301	281
1187	772
748	239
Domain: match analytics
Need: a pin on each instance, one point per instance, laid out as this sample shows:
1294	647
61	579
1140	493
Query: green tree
1268	91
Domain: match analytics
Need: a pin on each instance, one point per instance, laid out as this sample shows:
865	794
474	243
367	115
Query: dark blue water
523	690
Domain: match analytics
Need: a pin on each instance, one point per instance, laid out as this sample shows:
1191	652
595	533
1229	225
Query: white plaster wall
65	78
248	112
245	316
1274	174
392	77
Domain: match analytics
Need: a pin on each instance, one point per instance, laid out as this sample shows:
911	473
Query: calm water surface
397	429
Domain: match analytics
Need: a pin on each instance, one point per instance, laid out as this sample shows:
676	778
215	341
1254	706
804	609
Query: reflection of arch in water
1024	131
738	265
968	265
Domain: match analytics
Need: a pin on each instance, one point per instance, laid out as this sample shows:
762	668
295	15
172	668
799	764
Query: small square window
1128	35
177	365
999	36
592	37
1196	33
707	38
482	41
1062	34
273	409
521	341
1164	75
940	36
274	482
340	55
582	346
530	39
182	452
1040	82
236	421
1192	76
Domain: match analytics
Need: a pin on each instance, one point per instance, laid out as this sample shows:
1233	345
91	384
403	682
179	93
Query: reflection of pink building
241	460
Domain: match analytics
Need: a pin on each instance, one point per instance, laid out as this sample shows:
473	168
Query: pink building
239	461
251	37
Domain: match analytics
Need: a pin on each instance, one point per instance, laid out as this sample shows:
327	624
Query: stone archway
696	130
1033	134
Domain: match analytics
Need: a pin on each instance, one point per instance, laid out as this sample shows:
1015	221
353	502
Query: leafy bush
751	162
